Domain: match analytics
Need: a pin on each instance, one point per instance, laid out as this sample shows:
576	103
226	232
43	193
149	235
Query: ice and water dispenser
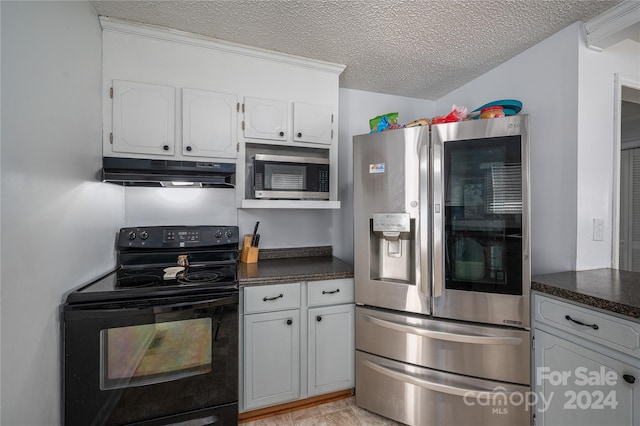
391	247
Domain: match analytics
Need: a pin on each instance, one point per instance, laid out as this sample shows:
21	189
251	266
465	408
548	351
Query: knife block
249	254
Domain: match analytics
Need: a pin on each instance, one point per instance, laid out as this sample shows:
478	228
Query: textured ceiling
421	49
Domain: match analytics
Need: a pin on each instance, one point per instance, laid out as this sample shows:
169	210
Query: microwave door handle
423	242
438	219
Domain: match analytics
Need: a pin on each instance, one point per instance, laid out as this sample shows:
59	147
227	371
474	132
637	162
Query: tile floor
338	413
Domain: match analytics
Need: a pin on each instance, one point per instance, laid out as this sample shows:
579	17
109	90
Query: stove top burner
200	277
142	280
149	257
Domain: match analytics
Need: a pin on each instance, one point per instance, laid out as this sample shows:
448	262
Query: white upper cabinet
185	104
209	124
265	119
143	118
312	123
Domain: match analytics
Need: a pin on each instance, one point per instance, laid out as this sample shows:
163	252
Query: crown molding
614	25
161	33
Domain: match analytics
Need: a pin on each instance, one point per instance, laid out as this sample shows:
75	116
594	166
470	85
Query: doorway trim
633	83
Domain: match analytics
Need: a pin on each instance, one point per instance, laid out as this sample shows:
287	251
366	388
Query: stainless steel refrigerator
442	273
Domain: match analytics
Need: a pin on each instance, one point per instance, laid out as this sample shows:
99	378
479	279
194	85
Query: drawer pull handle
331	292
264	299
594	326
318	318
289	322
629	378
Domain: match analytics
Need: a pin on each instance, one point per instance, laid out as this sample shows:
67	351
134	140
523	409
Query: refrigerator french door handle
468	393
443	335
423	241
438	220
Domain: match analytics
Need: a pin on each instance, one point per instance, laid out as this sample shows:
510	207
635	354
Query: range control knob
229	233
144	235
132	235
219	233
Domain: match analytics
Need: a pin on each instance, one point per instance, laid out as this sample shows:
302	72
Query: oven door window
154	353
285	177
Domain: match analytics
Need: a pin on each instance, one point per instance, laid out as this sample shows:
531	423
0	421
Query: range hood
168	173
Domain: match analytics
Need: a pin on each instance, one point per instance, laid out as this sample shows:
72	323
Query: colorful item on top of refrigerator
419	122
458	113
509	107
383	122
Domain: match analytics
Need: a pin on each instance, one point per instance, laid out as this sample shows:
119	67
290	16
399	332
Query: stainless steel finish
502	309
414	363
438	221
292	195
494	353
291	159
387	177
425	228
418	396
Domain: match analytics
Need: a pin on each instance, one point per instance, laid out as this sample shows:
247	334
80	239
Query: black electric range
155	342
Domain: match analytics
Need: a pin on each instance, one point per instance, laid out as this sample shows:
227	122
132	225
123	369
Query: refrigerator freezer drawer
420	396
479	351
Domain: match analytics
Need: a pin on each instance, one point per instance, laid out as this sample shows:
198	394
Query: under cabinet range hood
168	173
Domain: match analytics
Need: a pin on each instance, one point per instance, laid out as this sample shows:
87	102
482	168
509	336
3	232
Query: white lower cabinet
331	343
587	371
271	358
298	341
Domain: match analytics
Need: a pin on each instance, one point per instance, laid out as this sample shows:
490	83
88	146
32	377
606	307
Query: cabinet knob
166	147
189	148
289	322
281	133
299	134
318	318
629	378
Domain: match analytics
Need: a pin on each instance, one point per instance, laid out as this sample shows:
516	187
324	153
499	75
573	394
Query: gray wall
58	222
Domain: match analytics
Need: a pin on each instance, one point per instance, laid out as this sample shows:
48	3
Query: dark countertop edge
590	301
283	253
284	279
609	306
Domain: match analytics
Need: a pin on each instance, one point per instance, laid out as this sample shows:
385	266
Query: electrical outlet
598	229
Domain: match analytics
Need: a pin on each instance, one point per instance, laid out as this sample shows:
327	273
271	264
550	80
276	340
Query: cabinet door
578	386
312	123
209	124
143	118
271	358
331	349
265	119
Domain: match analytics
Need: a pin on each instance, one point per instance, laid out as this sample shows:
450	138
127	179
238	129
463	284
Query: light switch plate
598	229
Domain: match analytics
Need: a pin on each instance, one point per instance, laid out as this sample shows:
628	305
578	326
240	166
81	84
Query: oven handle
442	335
468	393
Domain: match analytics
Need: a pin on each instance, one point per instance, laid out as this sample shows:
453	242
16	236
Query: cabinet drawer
271	298
596	326
330	292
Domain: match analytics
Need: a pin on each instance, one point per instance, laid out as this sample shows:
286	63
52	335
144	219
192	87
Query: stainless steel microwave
290	177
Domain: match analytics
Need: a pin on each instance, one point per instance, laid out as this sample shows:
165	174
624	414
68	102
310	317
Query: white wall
180	206
544	78
58	222
569	92
356	109
596	147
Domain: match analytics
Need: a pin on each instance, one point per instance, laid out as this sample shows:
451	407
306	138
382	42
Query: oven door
151	362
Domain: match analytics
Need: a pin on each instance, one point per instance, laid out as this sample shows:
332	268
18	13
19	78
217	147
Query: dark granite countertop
278	266
612	290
